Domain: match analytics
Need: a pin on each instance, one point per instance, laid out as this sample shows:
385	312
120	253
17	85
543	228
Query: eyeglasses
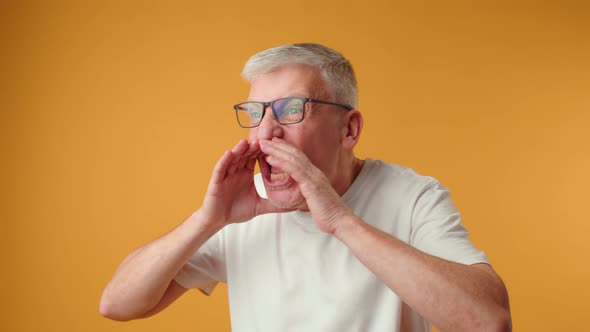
286	110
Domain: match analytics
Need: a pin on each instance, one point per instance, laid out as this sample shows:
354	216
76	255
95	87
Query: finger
240	147
220	169
279	146
254	147
284	146
286	157
237	152
288	165
251	153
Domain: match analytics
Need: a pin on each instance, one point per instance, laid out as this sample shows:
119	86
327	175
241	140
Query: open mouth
274	177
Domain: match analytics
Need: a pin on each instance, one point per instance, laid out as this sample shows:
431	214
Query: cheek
320	148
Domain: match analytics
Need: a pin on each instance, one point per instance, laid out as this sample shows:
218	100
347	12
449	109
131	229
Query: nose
269	127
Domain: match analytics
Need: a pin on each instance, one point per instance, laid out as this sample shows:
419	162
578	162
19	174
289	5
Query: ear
351	131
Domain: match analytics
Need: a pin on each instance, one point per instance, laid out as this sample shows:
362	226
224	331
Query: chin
283	200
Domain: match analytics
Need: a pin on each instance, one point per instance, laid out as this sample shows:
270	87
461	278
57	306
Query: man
319	240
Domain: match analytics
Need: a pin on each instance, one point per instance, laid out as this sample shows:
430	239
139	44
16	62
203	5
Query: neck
355	167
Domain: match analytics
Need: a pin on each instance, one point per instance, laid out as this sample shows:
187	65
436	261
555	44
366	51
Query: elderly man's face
319	135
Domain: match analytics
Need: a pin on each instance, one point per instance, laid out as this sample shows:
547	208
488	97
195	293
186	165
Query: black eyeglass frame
265	104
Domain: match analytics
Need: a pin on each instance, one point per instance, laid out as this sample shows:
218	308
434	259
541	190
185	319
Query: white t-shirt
284	274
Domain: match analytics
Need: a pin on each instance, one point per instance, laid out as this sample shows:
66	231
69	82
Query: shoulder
397	176
382	184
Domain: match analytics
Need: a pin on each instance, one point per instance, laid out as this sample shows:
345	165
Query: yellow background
114	113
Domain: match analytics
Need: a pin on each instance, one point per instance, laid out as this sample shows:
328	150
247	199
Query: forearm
454	297
143	277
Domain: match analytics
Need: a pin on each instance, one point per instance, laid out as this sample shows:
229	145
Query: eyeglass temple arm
347	107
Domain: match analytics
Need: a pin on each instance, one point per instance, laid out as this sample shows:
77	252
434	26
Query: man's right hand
143	284
231	195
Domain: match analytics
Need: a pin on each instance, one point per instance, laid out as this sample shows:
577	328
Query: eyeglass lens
287	110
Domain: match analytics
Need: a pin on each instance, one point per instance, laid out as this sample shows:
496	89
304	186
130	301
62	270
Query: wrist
348	226
204	223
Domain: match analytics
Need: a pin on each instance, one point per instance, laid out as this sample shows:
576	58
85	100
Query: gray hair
334	68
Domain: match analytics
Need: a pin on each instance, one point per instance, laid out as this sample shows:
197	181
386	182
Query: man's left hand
324	203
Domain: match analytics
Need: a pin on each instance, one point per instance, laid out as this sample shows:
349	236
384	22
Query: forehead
292	80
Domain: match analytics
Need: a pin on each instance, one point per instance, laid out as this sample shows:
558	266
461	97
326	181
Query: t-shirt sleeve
206	268
437	229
